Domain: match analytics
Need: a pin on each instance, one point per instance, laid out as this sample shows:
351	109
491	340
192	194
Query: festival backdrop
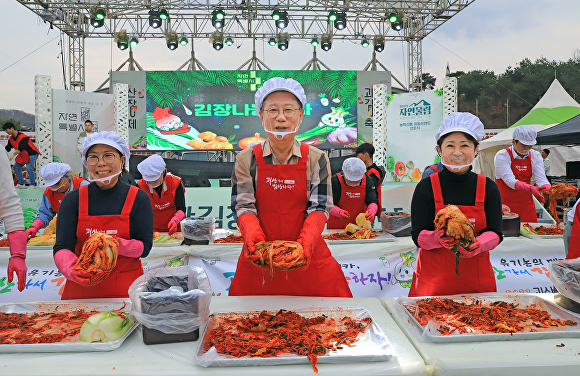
412	122
136	105
365	82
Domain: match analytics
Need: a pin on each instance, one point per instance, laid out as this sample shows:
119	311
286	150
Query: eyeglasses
288	112
57	186
108	158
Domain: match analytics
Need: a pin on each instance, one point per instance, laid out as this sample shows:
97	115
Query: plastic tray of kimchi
470	325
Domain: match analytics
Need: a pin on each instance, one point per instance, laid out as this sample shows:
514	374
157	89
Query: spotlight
154	19
340	22
97	16
163	14
379	43
183	41
283	41
229	41
397	25
134	42
332	16
172	40
393	17
364	43
218	18
122	39
272	41
100	13
217	40
326	42
281	18
97	23
314	42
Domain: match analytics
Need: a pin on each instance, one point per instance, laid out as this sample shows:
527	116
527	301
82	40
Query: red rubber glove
338	212
65	260
17	242
523	187
36	225
435	239
371	211
130	248
249	226
175	221
311	230
483	243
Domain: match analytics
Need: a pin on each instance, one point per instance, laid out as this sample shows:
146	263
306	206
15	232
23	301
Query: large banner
70	110
194	110
412	122
365	82
136	105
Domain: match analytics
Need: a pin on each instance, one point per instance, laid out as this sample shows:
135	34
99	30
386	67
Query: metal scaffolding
247	19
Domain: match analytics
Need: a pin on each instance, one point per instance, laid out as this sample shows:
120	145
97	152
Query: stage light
154	19
340	22
97	16
272	41
364	43
134	42
379	43
97	23
218	18
183	41
314	42
217	40
122	39
163	14
326	42
172	40
332	16
283	41
281	18
397	26
100	13
393	17
229	41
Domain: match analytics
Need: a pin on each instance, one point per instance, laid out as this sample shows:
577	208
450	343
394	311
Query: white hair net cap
106	138
354	169
53	172
461	122
151	168
526	134
279	84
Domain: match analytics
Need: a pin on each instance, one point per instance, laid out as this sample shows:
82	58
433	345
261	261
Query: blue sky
487	35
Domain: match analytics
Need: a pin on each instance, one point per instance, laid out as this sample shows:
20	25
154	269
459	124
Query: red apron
163	207
374	171
435	270
434	167
352	199
22	157
286	184
116	285
574	244
519	202
55	198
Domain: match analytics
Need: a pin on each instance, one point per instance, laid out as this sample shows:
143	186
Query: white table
133	357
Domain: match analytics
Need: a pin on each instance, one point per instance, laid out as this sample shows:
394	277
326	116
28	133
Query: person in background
81	139
166	193
59	181
544	153
12	216
514	168
568	230
353	192
109	206
25	153
475	195
432	169
365	153
281	191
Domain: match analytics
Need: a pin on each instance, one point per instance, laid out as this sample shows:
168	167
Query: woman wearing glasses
106	205
281	190
59	181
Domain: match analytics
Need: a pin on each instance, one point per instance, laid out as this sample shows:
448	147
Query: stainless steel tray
219	233
383	237
430	330
540	236
65	306
171	244
372	346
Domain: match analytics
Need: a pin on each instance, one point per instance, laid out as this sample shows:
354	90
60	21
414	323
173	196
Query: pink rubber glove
311	230
17	242
130	248
36	225
65	259
545	187
523	187
371	211
483	243
435	239
174	222
338	212
249	226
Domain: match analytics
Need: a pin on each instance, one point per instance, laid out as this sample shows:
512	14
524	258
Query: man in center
281	190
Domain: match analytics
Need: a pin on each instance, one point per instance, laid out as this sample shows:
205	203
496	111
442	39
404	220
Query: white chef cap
106	138
151	168
461	122
279	84
526	134
53	172
354	169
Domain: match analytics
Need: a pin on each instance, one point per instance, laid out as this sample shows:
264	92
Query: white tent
555	107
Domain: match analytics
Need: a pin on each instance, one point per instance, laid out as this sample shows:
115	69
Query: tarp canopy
566	133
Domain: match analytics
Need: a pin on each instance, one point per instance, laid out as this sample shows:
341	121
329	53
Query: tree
428	81
11	120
